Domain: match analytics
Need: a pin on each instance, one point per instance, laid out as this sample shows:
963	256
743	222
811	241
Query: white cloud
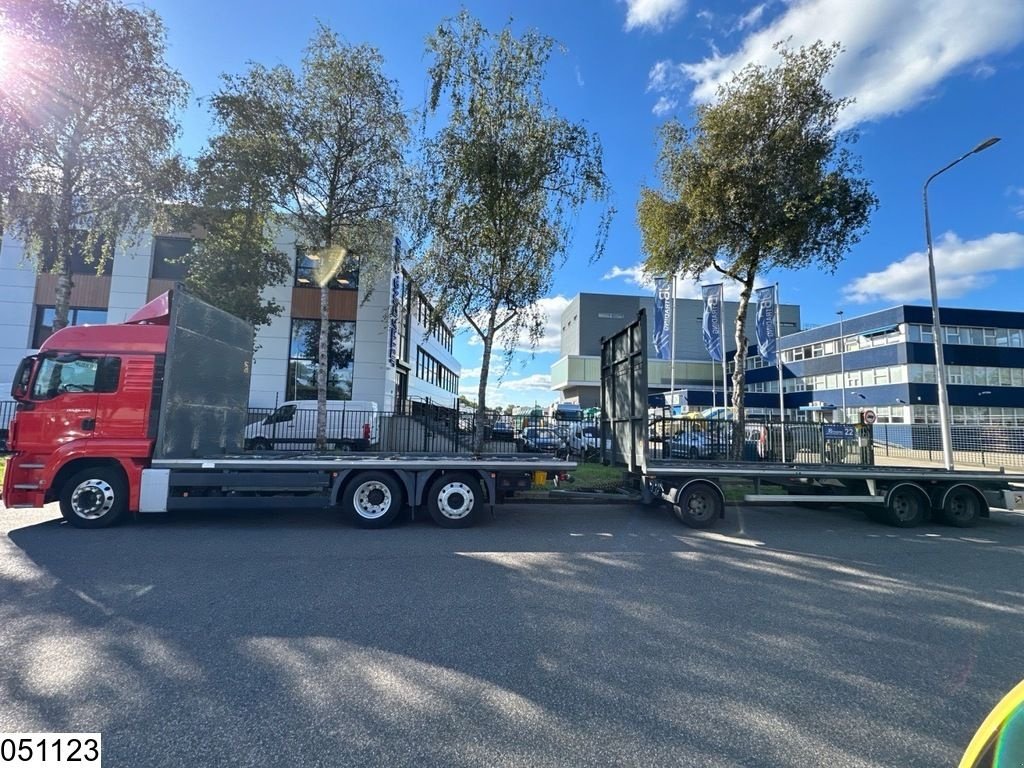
685	289
706	16
579	76
984	71
655	14
895	52
470	373
531	382
1016	195
960	266
664	105
551	308
751	17
634	275
527	390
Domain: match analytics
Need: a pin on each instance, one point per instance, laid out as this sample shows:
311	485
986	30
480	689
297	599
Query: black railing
6	414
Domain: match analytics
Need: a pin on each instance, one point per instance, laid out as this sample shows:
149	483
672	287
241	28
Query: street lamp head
985	145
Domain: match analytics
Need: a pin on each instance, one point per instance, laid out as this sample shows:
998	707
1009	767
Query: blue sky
932	78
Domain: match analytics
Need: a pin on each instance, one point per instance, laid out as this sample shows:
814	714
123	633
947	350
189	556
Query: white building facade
382	346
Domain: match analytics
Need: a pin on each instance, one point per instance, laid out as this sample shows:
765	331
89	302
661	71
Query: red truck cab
85	422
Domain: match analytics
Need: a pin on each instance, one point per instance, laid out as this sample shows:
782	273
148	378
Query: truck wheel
699	505
961	508
94	497
343	447
906	507
259	444
372	499
454	500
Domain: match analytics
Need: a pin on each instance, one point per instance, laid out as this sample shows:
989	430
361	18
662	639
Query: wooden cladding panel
91	291
158	286
342	306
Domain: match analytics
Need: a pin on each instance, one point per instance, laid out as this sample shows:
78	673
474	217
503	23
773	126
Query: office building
591	316
382	346
885	361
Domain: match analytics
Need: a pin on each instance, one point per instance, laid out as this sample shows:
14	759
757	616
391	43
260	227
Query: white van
351	426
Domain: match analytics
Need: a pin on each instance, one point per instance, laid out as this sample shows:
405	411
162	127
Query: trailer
900	496
149	416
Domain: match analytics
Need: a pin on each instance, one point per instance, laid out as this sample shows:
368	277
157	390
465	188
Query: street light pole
940	363
842	362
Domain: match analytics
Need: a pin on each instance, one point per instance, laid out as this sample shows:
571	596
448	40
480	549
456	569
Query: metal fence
425	427
713	439
973	445
6	414
981	445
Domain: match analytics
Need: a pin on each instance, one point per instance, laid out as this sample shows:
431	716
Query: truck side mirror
23	378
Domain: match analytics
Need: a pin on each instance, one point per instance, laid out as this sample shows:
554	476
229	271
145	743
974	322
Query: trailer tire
906	506
95	497
372	499
699	505
961	507
455	500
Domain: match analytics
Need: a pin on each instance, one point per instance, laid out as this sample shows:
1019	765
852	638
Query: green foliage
330	140
233	206
501	183
761	181
87	128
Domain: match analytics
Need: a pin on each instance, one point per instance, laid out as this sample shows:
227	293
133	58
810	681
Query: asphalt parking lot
552	635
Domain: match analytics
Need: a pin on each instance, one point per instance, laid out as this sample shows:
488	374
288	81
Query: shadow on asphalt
548	636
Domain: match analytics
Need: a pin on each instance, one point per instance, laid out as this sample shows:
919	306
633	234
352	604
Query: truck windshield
54	378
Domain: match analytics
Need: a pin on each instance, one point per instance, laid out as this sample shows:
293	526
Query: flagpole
778	363
725	367
672	362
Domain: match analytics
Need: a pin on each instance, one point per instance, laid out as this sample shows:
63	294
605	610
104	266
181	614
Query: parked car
502	430
541	440
352	425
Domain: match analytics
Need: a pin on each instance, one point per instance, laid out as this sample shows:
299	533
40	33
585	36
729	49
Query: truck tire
699	505
906	507
455	500
94	498
961	508
259	444
372	499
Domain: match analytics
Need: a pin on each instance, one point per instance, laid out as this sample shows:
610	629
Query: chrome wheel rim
92	499
372	500
455	500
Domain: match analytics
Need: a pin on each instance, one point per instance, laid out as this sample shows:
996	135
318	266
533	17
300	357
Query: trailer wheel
455	500
906	506
699	505
372	499
961	507
94	498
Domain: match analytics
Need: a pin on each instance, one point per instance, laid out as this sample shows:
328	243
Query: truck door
62	403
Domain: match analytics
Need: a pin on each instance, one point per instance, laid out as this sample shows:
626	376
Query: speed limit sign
868	417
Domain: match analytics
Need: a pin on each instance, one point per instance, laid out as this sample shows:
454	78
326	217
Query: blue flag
663	317
767	306
713	296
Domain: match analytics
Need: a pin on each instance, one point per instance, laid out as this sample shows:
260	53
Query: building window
169	257
43	328
430	370
308	267
431	323
303	356
79	262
